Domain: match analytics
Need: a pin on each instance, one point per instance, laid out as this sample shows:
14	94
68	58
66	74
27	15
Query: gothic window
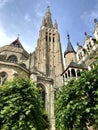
3	77
80	55
42	92
73	73
12	59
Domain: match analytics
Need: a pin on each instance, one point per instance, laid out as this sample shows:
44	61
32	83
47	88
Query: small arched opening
78	73
42	92
73	73
68	73
3	77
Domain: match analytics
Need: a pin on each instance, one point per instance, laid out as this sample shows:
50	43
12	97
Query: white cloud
48	2
3	2
38	11
27	17
4	38
89	16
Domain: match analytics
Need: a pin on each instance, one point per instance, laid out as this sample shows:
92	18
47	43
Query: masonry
45	64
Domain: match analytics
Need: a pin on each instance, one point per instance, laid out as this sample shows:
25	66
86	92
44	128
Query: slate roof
16	43
75	65
69	47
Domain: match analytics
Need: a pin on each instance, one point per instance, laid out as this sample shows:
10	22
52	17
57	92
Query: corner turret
70	53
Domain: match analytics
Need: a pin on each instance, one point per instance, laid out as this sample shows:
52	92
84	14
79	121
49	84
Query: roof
75	65
69	47
16	43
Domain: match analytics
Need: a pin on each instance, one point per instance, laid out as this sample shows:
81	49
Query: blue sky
24	17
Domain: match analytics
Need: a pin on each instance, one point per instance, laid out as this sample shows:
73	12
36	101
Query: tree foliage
77	103
21	107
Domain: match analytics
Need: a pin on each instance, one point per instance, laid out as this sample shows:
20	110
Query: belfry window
49	38
53	39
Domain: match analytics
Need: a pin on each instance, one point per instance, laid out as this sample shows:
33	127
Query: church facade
45	64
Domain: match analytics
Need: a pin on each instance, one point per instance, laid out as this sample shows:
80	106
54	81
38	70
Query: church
45	64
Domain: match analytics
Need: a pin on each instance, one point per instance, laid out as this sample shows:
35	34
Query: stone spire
44	22
48	18
69	46
55	25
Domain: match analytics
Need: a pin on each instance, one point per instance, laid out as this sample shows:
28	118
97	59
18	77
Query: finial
18	36
85	33
95	20
68	36
48	8
77	44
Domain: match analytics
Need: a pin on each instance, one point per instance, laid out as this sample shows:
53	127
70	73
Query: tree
77	103
21	106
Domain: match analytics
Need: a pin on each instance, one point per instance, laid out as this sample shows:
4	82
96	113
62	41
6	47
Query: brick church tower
48	50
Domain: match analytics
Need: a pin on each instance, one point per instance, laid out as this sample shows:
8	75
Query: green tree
21	106
77	103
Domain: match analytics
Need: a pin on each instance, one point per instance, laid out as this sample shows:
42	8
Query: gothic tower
48	50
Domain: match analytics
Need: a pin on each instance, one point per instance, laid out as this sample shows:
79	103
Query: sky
23	18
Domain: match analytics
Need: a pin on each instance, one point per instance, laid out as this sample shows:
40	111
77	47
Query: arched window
73	73
42	92
68	73
3	77
78	73
80	55
12	59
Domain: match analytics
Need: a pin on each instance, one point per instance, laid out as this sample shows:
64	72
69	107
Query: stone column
52	118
